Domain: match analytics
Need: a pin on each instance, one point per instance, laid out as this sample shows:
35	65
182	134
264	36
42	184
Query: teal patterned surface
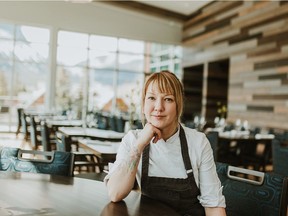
246	199
61	164
280	154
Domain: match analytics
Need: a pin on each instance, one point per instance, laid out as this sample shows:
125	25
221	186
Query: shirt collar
174	136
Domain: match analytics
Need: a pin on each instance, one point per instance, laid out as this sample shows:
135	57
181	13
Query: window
94	73
108	71
165	57
24	52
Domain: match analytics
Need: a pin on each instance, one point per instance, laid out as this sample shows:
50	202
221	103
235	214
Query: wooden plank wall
253	35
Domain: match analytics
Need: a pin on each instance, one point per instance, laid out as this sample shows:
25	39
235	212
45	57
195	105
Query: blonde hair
167	82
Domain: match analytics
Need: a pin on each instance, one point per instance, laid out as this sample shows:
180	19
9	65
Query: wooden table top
93	133
39	112
246	137
100	147
42	194
63	123
105	151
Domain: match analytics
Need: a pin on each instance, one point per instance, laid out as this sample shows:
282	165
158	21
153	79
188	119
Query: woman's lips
158	116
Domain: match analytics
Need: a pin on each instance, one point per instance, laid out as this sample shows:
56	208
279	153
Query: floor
11	140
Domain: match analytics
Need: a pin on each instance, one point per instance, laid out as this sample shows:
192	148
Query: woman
172	163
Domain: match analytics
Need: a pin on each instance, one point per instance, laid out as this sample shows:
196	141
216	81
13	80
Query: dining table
54	124
246	140
104	150
245	136
46	195
92	133
31	112
100	148
247	147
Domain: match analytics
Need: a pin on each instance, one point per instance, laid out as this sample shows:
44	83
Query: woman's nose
158	105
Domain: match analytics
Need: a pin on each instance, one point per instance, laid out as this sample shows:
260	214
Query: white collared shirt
165	160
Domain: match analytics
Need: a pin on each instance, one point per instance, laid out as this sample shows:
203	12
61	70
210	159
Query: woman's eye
169	99
151	98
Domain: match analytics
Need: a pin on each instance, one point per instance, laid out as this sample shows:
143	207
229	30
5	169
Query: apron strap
185	153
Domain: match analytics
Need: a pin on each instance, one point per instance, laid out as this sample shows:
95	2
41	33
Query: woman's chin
157	124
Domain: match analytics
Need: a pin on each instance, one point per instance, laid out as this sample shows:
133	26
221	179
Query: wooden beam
148	9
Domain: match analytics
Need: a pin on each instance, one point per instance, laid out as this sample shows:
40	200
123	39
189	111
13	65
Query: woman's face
160	108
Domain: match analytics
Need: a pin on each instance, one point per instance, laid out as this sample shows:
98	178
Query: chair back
138	124
120	124
282	136
249	192
19	113
33	133
213	137
55	163
63	143
45	137
25	125
279	157
102	121
255	153
112	123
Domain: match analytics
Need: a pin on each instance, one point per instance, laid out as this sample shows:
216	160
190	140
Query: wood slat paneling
255	35
260	108
271	64
271	97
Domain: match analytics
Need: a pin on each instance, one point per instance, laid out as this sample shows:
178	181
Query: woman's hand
148	132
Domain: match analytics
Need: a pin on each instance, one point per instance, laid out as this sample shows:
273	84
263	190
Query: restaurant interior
71	75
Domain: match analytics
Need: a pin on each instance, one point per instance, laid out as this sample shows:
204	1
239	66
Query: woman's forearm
215	211
122	180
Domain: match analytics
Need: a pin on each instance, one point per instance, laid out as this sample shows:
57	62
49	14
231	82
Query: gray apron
180	194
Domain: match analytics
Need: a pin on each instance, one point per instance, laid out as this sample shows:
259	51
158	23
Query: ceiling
173	10
187	7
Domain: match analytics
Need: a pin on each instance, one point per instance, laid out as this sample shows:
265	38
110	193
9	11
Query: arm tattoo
134	158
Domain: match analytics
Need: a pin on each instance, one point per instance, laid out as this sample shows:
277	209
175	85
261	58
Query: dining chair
48	140
19	126
65	143
25	123
213	137
255	154
223	151
279	157
19	160
112	123
102	121
84	162
248	192
35	134
138	123
120	124
282	136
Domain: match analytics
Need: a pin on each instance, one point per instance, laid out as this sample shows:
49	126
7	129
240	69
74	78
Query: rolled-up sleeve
209	183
